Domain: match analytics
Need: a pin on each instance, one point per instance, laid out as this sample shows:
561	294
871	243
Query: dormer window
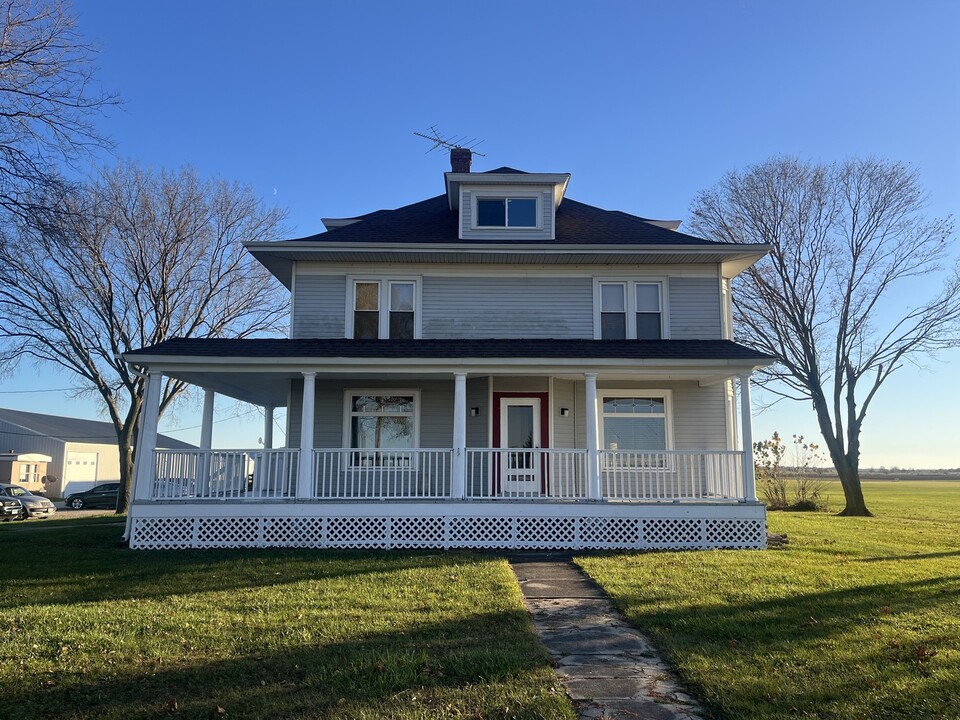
518	212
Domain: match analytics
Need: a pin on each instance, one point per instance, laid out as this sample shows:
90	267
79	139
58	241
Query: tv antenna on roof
449	143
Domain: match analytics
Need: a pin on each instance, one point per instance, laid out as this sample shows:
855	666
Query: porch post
206	427
267	427
746	421
458	473
305	488
145	466
594	491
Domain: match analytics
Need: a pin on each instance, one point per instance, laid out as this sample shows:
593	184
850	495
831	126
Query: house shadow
452	668
85	565
788	636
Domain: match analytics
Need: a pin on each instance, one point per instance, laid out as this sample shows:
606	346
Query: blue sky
315	104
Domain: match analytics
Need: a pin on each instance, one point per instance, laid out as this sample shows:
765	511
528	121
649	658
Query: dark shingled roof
432	221
456	349
77	429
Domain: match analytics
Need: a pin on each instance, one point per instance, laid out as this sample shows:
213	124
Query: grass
89	630
856	618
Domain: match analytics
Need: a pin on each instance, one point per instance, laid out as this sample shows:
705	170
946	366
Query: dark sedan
33	505
102	496
10	509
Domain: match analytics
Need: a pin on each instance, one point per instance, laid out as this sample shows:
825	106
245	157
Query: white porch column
746	421
458	473
145	463
594	490
305	488
206	427
267	427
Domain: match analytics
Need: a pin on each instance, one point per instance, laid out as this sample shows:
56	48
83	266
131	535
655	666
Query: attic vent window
507	212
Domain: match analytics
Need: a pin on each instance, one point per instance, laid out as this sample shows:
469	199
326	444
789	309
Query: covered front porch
467	455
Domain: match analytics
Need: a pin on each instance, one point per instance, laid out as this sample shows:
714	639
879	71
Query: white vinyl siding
507	307
543	232
694	304
318	306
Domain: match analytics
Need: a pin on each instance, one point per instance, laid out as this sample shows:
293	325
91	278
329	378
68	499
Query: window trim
384	309
505	195
630	290
350	393
666	395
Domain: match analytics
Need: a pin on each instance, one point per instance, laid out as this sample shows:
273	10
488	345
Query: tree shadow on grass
85	565
485	666
808	654
917	556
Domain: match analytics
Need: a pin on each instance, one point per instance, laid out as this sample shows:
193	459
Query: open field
92	631
856	618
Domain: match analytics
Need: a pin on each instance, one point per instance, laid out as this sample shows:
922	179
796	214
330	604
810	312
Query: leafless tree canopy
48	98
130	260
843	237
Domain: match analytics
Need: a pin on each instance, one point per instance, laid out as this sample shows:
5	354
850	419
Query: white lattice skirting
511	526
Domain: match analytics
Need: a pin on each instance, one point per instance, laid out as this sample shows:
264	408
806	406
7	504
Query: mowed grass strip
89	630
856	618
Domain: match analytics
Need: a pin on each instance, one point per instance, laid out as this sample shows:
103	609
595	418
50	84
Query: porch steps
609	669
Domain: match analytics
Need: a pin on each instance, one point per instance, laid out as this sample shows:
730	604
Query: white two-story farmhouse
496	367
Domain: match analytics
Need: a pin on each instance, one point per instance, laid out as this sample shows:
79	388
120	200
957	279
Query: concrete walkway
610	669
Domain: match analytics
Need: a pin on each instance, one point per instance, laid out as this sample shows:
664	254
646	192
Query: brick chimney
460	159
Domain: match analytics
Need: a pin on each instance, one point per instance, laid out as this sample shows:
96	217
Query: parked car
33	505
102	496
10	509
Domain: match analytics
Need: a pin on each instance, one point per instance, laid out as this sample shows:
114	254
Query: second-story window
384	309
629	310
507	212
613	311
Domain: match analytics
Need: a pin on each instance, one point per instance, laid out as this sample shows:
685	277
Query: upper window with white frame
629	310
507	212
384	308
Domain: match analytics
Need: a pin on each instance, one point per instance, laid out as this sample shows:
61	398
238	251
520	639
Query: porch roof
259	370
458	348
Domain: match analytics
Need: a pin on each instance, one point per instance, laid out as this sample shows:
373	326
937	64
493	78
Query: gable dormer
503	204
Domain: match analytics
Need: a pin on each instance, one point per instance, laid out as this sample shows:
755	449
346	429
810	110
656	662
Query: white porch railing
536	473
382	474
427	474
225	474
673	475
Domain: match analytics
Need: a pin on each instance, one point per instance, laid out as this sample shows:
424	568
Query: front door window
520	437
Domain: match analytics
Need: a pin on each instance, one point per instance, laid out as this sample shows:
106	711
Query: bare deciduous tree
48	99
844	236
128	261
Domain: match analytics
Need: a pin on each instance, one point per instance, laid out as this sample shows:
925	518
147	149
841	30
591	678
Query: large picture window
629	310
383	308
636	421
378	424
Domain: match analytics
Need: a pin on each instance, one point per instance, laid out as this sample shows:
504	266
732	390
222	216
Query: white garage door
81	472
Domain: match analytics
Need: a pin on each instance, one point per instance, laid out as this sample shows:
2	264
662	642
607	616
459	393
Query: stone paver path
610	669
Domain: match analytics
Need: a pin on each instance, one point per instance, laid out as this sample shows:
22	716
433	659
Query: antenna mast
449	143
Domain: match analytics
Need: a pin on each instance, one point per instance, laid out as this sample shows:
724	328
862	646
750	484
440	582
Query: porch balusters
458	472
305	484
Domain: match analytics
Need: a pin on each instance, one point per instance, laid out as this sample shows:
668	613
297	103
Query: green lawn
92	631
856	618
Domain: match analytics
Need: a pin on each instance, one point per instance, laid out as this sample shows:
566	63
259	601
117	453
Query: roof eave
453	181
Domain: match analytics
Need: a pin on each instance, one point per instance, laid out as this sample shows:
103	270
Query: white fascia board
453	181
735	251
486	366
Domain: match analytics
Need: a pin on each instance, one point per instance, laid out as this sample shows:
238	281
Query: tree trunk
849	474
126	440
